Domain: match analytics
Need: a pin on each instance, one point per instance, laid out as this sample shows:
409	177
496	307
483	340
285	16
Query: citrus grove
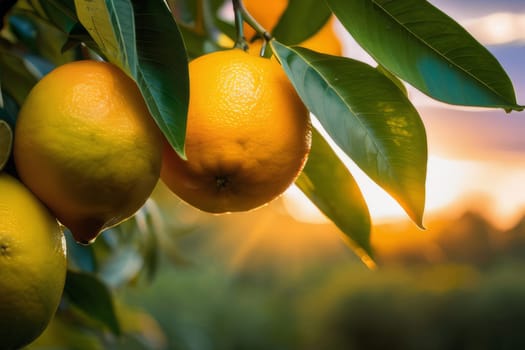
110	97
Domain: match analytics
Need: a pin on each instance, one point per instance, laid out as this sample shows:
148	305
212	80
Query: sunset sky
475	155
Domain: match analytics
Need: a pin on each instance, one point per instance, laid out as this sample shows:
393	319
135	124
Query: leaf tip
417	218
368	261
363	252
514	108
181	152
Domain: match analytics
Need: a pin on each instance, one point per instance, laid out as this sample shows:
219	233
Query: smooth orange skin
248	134
268	13
325	40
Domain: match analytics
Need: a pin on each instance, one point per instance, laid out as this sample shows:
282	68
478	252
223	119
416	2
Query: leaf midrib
379	150
120	35
481	82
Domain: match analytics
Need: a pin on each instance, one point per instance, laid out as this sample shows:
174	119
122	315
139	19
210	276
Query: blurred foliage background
263	280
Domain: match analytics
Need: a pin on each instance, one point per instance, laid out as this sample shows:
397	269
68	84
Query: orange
325	40
87	146
248	134
268	13
32	264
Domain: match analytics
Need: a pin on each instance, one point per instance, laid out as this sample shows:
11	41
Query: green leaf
6	139
149	224
17	78
133	35
8	114
61	13
41	36
63	16
393	78
23	29
111	25
429	50
367	115
80	256
301	20
122	266
9	109
197	44
163	70
90	295
78	35
331	187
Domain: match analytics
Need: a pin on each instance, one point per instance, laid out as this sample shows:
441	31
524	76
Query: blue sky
461	132
461	9
484	133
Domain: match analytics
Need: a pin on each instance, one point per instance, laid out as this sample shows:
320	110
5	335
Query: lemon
32	264
248	134
87	146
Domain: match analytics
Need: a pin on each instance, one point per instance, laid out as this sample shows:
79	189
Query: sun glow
449	182
498	28
446	181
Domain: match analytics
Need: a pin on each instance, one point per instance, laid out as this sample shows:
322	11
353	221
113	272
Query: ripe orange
87	146
325	40
248	134
268	13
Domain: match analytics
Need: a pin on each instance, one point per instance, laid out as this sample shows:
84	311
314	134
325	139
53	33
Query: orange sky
473	153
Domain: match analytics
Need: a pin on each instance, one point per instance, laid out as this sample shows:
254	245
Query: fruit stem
221	182
241	40
241	15
199	17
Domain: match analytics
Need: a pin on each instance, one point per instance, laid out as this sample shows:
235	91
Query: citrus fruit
32	264
268	13
6	138
325	40
248	134
87	146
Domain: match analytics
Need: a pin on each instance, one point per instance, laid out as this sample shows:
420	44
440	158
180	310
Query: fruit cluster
88	153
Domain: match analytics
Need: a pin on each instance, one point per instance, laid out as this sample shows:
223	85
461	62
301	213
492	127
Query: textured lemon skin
248	134
32	264
87	146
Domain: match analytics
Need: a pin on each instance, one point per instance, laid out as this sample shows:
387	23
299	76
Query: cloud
488	135
465	9
498	28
